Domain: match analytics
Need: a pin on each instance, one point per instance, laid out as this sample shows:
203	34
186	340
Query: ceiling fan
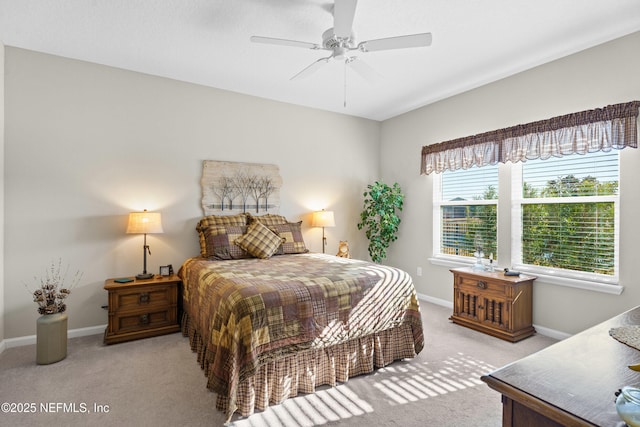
340	41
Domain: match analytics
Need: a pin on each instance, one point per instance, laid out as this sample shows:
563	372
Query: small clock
165	270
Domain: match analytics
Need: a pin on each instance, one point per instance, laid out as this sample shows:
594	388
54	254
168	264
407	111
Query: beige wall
600	76
2	308
86	144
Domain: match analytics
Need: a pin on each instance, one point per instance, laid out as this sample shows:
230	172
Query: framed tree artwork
234	187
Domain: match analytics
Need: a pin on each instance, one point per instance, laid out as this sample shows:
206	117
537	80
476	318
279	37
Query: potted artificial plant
379	217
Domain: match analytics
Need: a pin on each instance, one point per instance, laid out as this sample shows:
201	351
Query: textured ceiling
207	42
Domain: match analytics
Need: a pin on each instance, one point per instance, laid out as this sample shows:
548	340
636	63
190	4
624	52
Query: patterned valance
614	126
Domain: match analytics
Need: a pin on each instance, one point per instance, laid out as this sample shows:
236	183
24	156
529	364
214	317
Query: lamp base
144	276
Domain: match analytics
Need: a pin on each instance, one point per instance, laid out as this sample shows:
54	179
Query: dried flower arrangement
51	293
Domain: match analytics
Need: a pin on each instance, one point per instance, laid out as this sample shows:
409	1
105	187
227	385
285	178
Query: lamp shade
144	223
323	219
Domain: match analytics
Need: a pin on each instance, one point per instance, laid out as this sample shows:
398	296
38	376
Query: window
466	204
563	214
567	214
560	178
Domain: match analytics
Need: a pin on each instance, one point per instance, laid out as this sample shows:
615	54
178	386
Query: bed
268	324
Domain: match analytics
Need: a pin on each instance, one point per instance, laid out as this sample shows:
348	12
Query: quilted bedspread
251	311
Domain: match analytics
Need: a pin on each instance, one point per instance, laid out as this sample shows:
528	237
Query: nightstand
493	303
142	308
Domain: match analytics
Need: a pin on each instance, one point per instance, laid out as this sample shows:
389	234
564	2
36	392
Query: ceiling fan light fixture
340	52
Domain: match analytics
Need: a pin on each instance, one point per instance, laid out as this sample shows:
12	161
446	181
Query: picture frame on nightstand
165	270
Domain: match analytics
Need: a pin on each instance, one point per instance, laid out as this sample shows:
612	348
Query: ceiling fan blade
343	13
363	69
399	42
311	68
284	42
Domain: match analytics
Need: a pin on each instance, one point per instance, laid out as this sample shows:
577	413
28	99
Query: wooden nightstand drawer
480	285
148	296
144	320
142	308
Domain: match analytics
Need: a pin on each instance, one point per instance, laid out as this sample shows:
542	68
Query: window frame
509	247
438	203
517	201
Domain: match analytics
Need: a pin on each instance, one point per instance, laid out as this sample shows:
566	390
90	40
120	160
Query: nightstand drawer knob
144	319
143	298
482	285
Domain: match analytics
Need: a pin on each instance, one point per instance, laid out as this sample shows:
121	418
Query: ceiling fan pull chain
345	83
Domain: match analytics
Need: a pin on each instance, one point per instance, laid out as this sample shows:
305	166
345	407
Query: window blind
569	213
468	211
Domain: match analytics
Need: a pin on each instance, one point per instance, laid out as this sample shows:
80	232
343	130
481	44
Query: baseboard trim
95	330
31	339
551	333
548	332
436	301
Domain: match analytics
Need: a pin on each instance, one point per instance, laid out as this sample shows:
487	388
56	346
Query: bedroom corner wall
603	75
86	144
2	308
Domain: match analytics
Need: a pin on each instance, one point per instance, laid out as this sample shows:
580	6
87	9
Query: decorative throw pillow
291	233
219	242
268	219
259	241
213	220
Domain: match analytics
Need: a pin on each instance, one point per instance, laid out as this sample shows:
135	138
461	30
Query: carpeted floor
158	382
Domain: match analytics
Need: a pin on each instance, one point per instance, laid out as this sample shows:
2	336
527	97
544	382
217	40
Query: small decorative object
323	219
491	267
343	249
479	254
164	270
628	405
51	326
379	218
144	223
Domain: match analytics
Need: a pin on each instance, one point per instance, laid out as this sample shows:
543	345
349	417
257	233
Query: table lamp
323	219
144	223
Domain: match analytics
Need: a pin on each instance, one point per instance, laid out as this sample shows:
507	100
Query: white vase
51	338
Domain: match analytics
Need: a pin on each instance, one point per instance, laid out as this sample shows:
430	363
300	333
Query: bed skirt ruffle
302	372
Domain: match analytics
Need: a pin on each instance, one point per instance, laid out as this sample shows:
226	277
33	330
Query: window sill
607	288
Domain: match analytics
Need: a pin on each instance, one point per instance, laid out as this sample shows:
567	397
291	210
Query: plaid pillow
293	243
259	241
219	242
268	219
213	220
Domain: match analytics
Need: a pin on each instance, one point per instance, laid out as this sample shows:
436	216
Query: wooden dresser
142	308
571	383
493	303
